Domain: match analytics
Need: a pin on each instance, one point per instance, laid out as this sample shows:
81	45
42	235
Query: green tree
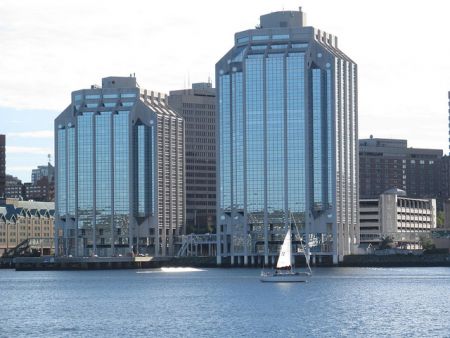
440	219
426	243
387	243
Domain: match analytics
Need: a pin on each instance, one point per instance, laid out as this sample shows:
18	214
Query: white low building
405	220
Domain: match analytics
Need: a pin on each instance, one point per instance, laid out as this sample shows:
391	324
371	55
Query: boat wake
171	270
180	269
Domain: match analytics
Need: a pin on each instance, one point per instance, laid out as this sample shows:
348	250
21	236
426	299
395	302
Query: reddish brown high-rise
2	165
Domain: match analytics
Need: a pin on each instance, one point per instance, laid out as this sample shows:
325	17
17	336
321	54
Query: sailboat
284	271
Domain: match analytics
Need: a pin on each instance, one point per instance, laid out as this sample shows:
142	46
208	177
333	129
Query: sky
49	48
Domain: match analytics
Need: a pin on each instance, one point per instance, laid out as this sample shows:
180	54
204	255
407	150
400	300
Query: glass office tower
287	154
119	172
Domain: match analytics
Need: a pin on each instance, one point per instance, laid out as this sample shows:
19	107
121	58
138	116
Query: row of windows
79	97
105	104
263	37
200	120
198	105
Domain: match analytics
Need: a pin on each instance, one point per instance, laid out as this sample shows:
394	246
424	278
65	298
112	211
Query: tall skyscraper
287	99
119	172
2	165
198	107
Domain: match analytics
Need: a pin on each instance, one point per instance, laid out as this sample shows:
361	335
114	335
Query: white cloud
28	150
21	168
50	48
32	134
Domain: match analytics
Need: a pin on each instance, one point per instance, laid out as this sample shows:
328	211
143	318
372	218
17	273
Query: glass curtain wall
295	86
85	124
121	126
254	105
103	176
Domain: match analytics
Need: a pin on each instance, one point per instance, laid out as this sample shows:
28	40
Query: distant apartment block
41	172
120	172
394	215
198	108
13	187
2	165
42	186
389	163
25	220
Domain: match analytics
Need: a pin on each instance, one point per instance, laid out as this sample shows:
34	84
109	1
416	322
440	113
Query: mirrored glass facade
108	173
287	103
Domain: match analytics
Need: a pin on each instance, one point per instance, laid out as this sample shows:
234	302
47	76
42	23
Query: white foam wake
180	269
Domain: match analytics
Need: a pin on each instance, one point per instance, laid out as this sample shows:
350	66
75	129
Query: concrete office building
119	172
389	163
198	108
394	215
2	165
287	98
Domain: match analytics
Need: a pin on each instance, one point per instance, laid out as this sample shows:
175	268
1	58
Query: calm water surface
338	302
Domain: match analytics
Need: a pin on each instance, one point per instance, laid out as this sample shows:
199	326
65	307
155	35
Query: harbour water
338	302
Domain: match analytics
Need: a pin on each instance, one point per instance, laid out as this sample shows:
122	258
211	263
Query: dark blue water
338	302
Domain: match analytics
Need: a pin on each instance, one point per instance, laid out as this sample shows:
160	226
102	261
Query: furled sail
284	260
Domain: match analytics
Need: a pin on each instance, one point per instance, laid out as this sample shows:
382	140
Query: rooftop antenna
189	80
49	156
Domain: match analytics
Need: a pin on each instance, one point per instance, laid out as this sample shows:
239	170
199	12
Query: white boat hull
288	277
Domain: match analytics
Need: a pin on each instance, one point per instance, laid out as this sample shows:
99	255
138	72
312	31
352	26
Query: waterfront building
119	172
389	163
444	185
198	108
2	165
287	154
405	220
26	220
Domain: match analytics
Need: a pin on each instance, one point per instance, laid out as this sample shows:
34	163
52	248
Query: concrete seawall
101	263
396	260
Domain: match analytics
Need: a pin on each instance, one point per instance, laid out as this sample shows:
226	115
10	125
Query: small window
260	37
126	95
280	36
110	96
258	47
243	39
279	46
299	45
92	96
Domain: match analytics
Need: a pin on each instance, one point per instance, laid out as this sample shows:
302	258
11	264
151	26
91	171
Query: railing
27	245
196	244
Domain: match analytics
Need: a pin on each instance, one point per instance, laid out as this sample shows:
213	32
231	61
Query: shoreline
111	263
